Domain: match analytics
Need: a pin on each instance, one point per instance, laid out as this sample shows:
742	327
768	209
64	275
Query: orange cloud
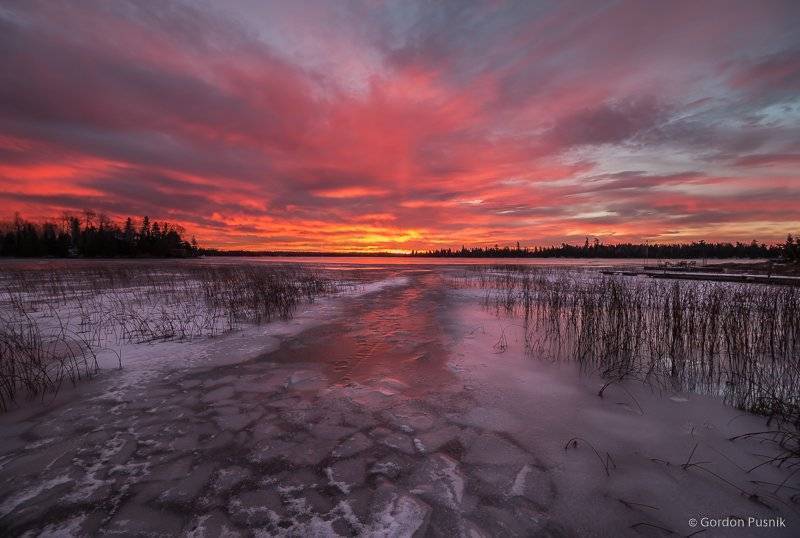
350	192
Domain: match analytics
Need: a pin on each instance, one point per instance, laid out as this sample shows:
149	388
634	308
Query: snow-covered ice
382	411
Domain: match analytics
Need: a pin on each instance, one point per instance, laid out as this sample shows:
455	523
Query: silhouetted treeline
791	248
297	253
697	250
694	250
91	235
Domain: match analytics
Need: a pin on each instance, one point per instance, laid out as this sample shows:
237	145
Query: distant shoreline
360	255
731	265
732	259
698	250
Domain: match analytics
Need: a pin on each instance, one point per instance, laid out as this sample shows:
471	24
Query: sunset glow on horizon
392	126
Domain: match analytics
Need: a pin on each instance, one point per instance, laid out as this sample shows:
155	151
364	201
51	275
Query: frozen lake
397	406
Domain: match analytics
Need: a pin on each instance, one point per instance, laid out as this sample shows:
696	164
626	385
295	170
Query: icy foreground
392	412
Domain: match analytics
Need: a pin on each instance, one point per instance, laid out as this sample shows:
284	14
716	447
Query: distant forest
790	250
93	235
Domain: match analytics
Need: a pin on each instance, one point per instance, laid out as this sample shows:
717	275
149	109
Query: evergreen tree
99	237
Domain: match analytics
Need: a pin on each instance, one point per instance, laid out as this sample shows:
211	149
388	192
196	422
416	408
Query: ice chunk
393	384
305	380
489	418
213	525
255	507
394	440
331	431
436	439
188	489
134	519
439	480
491	449
347	473
353	445
398	514
230	477
217	395
389	469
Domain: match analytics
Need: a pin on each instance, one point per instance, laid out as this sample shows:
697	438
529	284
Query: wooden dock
781	280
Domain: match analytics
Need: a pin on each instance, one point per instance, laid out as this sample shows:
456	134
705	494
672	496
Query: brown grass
55	318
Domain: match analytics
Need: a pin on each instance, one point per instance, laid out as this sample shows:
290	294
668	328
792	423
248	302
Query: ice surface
433	433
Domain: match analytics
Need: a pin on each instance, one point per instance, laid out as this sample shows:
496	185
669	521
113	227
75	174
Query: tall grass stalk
739	341
56	318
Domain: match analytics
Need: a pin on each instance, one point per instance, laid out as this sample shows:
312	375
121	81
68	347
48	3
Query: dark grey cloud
610	123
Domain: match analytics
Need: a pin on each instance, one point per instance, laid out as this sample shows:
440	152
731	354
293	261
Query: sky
400	125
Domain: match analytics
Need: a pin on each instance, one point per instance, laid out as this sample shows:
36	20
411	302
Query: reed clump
738	341
55	318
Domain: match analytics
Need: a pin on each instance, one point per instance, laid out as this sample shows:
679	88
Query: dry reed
55	318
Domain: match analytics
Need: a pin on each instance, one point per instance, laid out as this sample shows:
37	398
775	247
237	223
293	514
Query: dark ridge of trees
789	250
93	235
297	253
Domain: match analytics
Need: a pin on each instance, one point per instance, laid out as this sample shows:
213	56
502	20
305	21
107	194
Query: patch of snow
343	487
373	287
518	487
